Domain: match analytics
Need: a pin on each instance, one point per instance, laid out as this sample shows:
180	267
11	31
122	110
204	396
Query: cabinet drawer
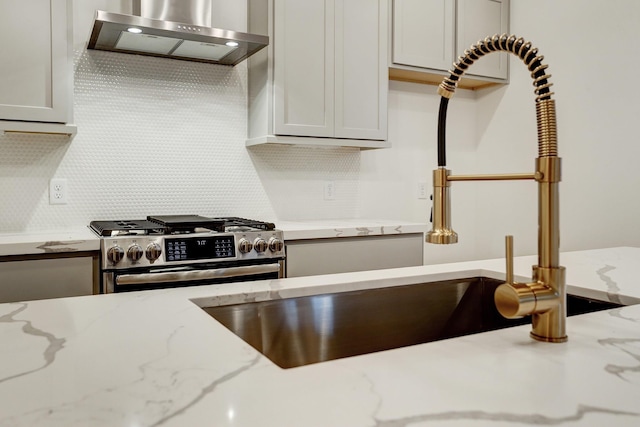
33	279
347	254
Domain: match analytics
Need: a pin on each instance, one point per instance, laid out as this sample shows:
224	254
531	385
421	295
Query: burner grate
175	224
107	228
244	222
187	223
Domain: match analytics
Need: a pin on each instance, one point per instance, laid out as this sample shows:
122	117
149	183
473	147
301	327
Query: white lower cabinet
33	279
323	80
346	254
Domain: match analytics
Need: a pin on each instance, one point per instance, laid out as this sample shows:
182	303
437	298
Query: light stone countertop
83	239
323	229
73	240
156	359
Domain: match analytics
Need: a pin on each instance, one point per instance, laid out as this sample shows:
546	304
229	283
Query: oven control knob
153	251
244	246
275	244
260	244
135	252
115	254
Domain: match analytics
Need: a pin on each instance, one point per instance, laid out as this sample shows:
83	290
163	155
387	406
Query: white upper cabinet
429	35
476	20
324	74
303	39
423	33
361	76
36	66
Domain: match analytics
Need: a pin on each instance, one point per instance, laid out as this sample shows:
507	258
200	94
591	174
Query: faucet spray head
441	232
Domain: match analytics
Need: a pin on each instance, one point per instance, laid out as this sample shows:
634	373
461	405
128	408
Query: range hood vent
178	29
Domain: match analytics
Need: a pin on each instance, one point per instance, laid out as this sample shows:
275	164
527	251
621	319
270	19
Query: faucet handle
508	246
513	300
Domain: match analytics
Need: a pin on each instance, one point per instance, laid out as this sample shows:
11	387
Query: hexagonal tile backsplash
159	136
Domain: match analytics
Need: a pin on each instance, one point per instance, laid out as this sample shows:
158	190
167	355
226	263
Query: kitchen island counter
155	358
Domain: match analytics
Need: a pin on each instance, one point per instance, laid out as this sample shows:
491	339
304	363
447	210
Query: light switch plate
329	190
422	190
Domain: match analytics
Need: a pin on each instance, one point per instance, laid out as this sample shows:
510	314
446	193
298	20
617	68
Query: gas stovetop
169	240
176	224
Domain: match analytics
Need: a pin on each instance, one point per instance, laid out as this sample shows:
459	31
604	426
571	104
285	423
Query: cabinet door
478	19
46	278
303	67
34	61
361	76
423	33
347	254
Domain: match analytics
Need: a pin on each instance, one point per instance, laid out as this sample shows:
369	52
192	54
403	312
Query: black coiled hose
442	130
504	43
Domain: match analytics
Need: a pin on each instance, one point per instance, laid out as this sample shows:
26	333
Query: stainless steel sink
300	331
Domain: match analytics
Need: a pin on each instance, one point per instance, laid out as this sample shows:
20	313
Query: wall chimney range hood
178	29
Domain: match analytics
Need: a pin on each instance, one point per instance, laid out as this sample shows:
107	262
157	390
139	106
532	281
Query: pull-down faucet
545	297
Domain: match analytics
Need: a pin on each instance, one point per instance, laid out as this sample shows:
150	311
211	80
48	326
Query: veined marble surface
156	359
75	240
83	239
323	229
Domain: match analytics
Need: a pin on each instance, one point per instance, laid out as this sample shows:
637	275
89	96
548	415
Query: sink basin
300	331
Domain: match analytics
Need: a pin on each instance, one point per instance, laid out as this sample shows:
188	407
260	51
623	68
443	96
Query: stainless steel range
186	250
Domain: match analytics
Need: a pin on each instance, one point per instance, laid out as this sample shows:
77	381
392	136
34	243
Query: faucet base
549	320
548	339
442	237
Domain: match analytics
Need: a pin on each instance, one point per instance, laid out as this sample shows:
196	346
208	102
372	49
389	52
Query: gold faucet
544	298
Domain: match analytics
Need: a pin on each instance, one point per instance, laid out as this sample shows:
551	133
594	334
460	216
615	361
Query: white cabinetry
36	66
323	79
428	36
423	33
347	254
476	20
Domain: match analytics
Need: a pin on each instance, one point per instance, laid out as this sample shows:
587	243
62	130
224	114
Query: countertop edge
83	239
326	229
41	243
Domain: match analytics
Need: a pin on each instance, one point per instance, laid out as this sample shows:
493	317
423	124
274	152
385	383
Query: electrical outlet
58	189
422	190
329	190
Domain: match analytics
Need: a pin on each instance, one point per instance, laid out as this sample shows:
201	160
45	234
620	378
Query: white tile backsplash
159	136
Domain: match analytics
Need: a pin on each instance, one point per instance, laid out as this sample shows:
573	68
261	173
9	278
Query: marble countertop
73	240
156	359
83	239
322	229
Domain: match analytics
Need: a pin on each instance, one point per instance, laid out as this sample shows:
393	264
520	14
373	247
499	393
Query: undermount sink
300	331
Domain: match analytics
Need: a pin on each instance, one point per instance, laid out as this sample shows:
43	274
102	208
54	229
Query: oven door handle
194	275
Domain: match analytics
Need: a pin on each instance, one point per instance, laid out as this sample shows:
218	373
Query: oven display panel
196	248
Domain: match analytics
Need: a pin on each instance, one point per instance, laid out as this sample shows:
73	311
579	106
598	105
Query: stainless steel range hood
178	29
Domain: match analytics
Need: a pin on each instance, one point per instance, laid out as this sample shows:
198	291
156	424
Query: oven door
173	277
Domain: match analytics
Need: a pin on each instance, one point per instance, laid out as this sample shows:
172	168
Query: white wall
591	49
